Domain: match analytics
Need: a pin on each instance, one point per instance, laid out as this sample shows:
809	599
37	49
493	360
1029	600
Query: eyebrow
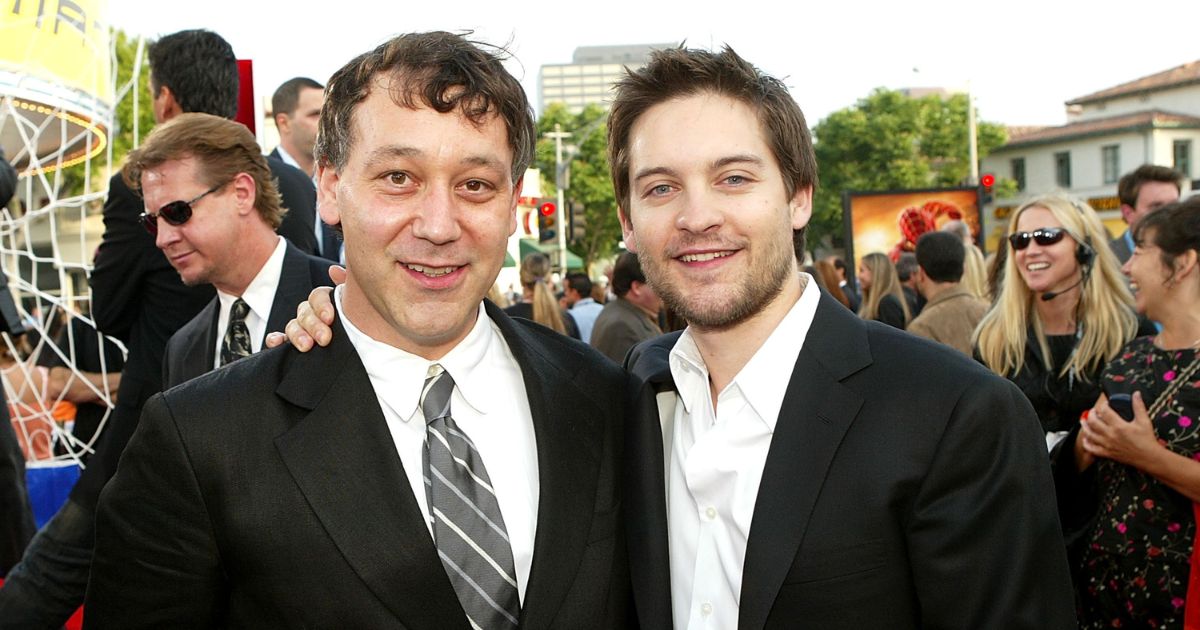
717	164
382	154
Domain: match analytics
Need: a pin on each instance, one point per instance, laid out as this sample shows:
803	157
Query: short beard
750	298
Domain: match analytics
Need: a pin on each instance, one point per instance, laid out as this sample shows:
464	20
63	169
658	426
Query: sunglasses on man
175	213
1044	237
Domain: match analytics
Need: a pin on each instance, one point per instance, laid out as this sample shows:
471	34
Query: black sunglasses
176	212
1044	237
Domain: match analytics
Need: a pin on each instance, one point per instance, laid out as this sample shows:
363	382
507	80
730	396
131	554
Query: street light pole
558	134
972	141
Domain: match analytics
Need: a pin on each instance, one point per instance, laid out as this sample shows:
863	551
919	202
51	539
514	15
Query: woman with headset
1063	311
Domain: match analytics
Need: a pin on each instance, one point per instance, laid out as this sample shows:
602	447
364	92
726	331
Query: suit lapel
201	352
295	283
816	413
568	446
645	483
342	458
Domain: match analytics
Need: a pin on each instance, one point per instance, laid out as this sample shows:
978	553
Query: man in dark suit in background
296	106
793	466
138	298
289	489
226	238
631	317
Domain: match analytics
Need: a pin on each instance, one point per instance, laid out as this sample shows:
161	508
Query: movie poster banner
891	221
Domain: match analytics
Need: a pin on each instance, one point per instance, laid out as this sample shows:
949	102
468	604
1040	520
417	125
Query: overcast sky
1023	58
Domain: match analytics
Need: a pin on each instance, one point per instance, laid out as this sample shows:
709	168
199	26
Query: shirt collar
764	379
260	293
954	292
286	157
402	374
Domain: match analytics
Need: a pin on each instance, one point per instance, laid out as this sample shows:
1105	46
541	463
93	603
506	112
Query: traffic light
986	183
547	211
576	220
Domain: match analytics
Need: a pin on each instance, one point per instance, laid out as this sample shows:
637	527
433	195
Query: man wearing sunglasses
138	297
217	211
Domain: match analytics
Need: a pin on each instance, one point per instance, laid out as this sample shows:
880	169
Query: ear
327	197
801	207
516	200
627	230
1126	212
282	123
1185	263
166	105
244	193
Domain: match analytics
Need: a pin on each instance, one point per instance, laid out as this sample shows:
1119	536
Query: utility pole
559	181
972	141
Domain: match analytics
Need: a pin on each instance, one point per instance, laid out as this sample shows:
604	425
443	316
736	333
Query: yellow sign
64	42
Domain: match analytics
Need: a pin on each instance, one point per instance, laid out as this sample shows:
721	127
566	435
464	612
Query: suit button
706	609
711	513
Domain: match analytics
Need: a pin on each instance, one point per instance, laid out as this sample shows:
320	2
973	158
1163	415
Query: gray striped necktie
237	336
467	525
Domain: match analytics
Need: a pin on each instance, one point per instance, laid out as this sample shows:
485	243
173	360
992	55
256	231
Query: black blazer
300	198
330	245
192	351
905	487
268	494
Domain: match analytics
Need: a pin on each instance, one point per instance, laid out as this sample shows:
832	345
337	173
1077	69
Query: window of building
1018	173
1181	151
1110	157
1062	169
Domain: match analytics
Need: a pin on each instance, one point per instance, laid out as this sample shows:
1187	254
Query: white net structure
60	375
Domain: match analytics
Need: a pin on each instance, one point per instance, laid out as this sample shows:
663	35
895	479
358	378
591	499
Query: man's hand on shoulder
314	318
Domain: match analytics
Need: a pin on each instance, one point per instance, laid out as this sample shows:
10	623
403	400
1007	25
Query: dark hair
439	70
906	266
223	149
287	96
581	283
941	255
1131	183
1176	230
840	265
199	68
626	271
679	72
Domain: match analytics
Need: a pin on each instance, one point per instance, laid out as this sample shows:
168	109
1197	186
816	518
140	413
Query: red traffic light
988	180
547	209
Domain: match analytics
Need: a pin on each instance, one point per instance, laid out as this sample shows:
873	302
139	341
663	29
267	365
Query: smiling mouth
1038	266
705	257
432	272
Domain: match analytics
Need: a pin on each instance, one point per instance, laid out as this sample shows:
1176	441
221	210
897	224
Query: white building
1154	119
590	75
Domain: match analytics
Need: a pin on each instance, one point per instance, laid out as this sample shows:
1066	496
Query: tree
890	141
589	182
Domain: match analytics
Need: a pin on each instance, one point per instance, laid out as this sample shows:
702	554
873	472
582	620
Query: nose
1127	267
700	212
437	219
166	235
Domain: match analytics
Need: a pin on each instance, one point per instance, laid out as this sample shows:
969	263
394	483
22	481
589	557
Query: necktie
467	525
237	337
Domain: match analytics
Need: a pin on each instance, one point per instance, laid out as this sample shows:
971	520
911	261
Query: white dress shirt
488	404
716	464
259	295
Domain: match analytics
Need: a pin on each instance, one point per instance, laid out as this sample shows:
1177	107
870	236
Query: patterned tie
237	337
467	525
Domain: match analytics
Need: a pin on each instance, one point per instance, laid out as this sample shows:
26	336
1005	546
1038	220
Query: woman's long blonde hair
1104	315
884	281
534	269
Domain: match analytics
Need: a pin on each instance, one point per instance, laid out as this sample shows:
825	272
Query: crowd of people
420	456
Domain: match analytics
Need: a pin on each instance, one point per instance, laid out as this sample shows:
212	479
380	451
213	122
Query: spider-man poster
892	221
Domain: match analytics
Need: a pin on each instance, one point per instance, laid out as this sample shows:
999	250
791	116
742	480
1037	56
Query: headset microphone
1050	295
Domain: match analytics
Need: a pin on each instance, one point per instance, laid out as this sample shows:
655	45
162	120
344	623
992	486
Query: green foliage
589	182
889	141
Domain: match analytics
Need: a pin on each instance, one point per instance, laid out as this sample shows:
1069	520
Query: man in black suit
138	298
289	489
230	244
793	466
296	106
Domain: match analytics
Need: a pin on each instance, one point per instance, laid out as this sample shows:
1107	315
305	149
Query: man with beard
792	463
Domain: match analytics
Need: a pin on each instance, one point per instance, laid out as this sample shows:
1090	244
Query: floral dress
1135	563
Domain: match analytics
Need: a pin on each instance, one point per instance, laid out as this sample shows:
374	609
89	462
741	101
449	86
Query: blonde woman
1063	310
882	298
537	301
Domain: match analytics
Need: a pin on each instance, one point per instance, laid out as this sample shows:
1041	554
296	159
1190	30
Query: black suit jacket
905	487
330	245
269	494
300	198
192	351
